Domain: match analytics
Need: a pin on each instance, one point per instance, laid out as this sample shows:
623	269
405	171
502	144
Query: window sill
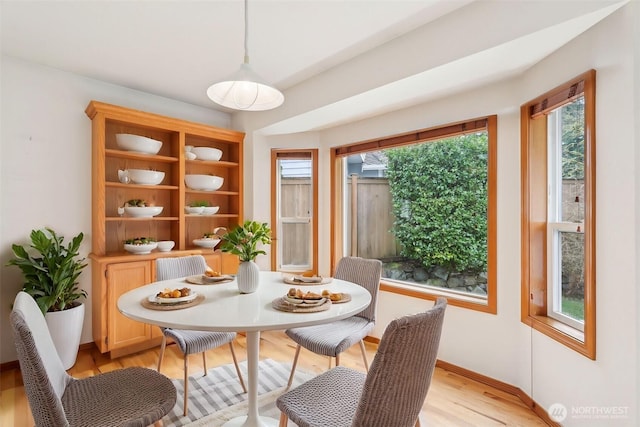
562	333
454	298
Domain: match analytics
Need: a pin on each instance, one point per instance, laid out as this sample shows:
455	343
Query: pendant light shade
245	90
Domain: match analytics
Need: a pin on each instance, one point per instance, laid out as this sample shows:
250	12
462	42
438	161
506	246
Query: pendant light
245	90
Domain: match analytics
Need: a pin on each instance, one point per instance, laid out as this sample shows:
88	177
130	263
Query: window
294	210
424	204
558	214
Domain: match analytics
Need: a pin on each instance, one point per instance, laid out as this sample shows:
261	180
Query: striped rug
216	397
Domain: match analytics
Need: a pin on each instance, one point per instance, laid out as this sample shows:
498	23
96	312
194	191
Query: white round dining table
225	309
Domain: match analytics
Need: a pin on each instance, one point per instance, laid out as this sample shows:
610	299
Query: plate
304	302
291	300
291	279
282	304
313	279
199	280
158	300
222	278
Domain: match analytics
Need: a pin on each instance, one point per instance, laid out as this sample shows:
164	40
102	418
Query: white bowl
207	153
143	212
203	182
145	176
194	210
140	249
206	243
137	143
210	210
166	245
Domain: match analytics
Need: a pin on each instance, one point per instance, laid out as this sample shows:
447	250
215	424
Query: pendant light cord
246	31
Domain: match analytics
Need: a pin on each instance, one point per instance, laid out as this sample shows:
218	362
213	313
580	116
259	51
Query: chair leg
284	420
235	362
418	422
186	382
337	360
364	355
162	348
204	362
293	367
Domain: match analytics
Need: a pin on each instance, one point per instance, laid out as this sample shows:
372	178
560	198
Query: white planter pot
248	277
65	328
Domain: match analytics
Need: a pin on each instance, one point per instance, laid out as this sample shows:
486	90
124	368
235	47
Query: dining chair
125	397
390	394
331	339
191	342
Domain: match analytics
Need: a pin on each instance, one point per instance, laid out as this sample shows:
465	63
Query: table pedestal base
252	419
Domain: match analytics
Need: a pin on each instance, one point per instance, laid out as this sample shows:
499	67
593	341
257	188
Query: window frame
488	124
536	226
290	153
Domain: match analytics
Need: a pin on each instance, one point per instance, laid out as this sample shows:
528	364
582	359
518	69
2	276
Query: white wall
45	163
560	375
500	346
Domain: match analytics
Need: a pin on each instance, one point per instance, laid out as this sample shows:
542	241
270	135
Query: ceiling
177	49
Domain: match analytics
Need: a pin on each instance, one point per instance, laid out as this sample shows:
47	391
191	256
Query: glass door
294	211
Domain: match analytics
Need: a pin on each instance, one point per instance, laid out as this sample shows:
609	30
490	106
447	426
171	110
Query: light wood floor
453	400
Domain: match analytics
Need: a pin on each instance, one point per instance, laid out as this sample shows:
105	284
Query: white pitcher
123	176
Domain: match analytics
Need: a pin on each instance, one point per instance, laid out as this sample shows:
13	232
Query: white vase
248	277
65	328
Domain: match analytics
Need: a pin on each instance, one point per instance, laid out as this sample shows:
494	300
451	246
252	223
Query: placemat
282	305
199	280
290	280
166	307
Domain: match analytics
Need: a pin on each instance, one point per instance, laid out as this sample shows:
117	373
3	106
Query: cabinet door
229	263
222	262
122	278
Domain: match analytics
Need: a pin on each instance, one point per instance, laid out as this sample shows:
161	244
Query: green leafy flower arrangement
244	239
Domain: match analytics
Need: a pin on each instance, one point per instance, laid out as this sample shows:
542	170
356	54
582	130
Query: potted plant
243	241
51	272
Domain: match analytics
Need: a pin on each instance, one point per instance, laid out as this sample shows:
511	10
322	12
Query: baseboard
8	366
14	364
502	386
87	346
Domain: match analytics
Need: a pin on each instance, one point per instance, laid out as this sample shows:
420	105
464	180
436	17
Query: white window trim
555	225
295	220
554	272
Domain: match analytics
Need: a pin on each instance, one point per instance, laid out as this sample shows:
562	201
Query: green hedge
439	192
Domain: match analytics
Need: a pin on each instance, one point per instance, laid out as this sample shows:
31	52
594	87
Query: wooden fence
368	207
294	235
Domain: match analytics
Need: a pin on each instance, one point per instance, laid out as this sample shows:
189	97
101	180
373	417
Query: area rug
218	397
